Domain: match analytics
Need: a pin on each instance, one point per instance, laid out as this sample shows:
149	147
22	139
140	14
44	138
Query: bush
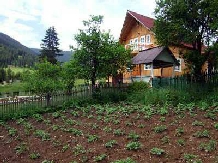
138	86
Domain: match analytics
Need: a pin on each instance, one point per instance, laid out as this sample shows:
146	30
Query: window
131	42
147	66
135	44
178	68
142	40
148	39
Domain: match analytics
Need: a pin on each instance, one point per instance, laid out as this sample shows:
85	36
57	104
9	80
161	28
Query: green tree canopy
50	46
193	22
98	55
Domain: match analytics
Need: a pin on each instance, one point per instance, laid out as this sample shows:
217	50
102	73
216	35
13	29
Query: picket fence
205	83
12	105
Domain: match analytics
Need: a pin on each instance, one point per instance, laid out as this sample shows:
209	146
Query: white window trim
145	68
146	39
136	43
180	66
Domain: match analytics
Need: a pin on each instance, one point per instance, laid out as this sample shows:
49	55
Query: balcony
138	47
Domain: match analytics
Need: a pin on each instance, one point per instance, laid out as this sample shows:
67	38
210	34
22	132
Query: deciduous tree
192	22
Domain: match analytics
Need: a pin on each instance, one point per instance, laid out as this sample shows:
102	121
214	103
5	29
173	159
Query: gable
132	19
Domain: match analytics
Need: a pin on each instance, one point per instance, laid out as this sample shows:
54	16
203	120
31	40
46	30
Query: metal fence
14	104
204	83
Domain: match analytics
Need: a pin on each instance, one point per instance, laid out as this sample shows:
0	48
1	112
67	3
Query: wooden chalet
149	59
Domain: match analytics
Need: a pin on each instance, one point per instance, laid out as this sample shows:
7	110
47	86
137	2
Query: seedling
107	129
79	149
110	143
92	138
165	140
132	135
42	134
160	128
34	156
202	134
197	123
134	145
118	132
38	117
100	157
157	151
21	148
181	142
128	160
216	126
179	131
208	147
12	131
65	147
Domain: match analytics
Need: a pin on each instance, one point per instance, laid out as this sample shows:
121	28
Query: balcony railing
138	47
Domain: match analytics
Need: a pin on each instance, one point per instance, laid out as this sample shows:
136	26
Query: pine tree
50	43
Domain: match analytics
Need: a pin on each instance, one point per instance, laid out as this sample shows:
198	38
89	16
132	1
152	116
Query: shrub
138	86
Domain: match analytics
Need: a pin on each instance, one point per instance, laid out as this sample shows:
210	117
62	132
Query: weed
208	147
92	138
134	145
110	143
42	134
34	156
159	129
202	134
21	148
157	151
100	157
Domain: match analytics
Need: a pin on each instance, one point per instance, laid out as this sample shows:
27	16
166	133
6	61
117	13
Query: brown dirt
89	124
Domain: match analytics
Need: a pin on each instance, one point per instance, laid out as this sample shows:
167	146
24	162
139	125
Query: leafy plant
56	114
202	134
65	147
208	147
42	134
157	151
21	148
47	161
118	132
191	158
92	138
74	131
132	135
134	145
38	117
179	131
216	126
159	129
110	143
79	149
12	131
181	142
197	123
210	115
100	157
34	156
107	129
128	160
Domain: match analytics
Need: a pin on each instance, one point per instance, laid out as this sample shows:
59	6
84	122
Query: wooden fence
11	105
204	83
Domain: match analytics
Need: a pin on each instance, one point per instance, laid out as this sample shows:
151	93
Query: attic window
178	68
148	39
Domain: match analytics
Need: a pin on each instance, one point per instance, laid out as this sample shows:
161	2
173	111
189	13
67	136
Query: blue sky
27	20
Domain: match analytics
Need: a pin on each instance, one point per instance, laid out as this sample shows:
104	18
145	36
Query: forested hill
14	53
64	58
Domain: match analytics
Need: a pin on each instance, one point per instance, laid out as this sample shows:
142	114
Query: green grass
18	69
14	87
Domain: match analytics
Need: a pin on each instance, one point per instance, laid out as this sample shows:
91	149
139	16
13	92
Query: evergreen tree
50	43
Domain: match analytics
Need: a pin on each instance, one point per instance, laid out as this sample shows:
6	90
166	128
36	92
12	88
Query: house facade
137	35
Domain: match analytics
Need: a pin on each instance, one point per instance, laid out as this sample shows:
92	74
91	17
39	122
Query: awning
160	56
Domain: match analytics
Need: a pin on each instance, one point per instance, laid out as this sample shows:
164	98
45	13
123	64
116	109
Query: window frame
179	69
148	41
147	64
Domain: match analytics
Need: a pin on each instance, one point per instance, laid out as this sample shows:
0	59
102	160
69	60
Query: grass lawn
14	87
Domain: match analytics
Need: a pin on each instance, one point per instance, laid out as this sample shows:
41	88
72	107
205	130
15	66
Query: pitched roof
131	19
160	56
146	21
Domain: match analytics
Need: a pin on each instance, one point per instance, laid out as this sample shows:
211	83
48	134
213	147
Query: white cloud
66	16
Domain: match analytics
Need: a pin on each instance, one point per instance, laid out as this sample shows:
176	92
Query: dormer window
148	39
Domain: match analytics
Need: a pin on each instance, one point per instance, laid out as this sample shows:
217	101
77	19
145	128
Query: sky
27	20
